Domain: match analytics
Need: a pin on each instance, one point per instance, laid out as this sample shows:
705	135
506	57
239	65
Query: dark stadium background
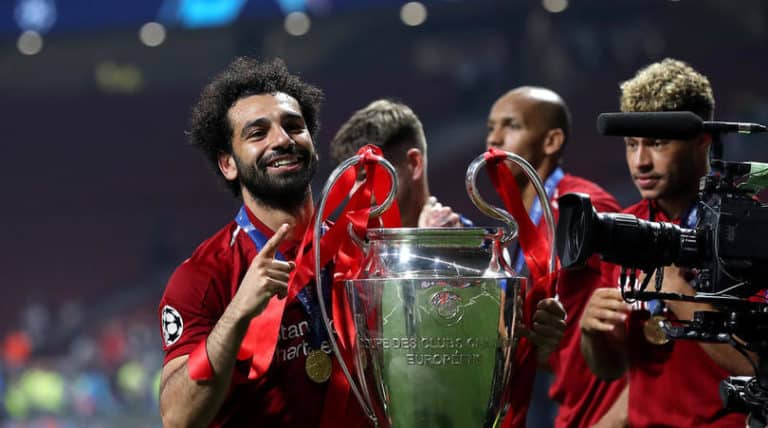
102	197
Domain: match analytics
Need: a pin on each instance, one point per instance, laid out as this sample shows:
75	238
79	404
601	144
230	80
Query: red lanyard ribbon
535	245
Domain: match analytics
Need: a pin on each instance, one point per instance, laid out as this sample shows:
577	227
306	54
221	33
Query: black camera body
728	248
732	235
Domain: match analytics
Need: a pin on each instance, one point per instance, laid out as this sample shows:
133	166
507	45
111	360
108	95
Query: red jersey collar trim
288	247
658	213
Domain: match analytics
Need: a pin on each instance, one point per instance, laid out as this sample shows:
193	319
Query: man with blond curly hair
671	383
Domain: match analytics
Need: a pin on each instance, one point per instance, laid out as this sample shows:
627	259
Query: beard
286	191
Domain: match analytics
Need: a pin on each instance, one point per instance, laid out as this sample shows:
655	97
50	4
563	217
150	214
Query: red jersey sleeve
185	319
604	202
197	294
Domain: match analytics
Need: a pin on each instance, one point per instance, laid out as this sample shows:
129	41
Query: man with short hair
255	123
671	383
395	128
534	123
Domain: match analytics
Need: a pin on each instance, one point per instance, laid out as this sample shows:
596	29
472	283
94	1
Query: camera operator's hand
605	314
603	333
548	328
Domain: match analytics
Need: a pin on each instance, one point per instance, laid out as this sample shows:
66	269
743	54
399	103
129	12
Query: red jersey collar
288	247
653	207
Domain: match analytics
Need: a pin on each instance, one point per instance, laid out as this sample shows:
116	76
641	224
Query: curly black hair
210	128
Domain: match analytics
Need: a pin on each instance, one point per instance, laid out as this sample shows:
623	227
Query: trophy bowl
434	313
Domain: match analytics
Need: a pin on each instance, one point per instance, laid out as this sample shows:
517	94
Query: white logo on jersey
172	325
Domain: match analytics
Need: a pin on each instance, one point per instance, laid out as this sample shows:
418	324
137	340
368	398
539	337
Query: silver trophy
434	312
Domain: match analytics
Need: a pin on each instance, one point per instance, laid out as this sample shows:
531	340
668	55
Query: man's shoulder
572	183
198	291
221	245
601	199
211	261
639	209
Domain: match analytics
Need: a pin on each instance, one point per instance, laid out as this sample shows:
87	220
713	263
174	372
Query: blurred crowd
66	367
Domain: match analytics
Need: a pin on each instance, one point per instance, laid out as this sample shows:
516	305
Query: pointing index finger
270	248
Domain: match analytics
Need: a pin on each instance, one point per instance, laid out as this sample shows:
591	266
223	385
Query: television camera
726	252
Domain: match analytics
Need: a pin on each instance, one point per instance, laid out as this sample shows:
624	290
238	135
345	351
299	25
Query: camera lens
619	238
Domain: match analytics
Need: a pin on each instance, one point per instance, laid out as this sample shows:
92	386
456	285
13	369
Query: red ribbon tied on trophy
535	245
536	249
261	339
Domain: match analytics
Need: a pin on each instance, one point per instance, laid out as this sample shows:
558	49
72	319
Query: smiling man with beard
254	122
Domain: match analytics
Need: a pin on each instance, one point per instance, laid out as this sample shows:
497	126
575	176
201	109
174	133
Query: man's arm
723	354
603	334
187	403
618	415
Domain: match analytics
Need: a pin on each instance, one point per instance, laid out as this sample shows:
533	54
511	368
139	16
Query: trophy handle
376	211
491	211
502	215
361	243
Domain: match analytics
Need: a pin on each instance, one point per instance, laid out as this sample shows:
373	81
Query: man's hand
605	314
548	328
603	333
434	214
266	277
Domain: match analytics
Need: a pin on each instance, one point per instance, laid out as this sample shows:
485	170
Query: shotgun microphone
674	125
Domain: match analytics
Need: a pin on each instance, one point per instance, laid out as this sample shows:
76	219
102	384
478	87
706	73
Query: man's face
272	149
664	169
513	126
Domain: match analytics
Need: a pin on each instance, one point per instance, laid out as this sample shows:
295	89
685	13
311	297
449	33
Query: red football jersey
583	398
676	384
195	298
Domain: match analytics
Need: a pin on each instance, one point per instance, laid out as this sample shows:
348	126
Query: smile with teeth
283	162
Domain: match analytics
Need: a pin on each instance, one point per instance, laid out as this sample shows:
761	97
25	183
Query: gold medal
653	331
318	366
